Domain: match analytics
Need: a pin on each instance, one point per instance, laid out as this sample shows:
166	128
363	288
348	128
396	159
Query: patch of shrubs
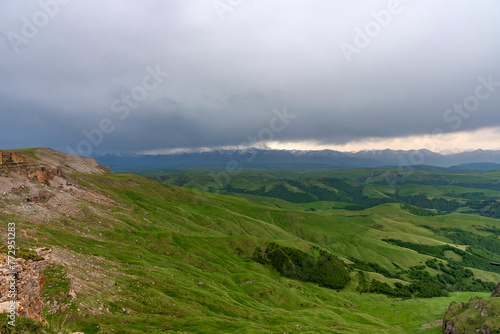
23	253
418	211
373	267
326	269
474	257
422	285
421	201
453	277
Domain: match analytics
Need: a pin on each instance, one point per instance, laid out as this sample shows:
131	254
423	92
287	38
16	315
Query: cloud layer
348	71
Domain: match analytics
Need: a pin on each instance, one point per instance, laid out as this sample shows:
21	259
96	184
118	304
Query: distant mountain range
479	160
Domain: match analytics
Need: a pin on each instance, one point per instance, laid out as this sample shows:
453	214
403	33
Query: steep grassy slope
140	256
196	233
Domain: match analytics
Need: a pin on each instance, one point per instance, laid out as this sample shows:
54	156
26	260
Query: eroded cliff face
41	174
25	194
26	291
28	167
10	158
39	186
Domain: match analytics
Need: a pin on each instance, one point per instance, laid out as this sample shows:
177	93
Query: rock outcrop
28	285
496	293
11	158
41	185
41	174
476	316
28	167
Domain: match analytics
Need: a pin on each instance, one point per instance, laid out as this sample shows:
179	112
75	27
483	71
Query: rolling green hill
446	192
141	256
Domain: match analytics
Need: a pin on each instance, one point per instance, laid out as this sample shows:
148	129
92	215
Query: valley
330	250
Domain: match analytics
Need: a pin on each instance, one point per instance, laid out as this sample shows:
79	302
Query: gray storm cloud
76	71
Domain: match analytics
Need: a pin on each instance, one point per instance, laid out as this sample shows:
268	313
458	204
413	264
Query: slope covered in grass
150	257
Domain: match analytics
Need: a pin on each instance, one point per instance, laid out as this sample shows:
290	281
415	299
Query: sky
92	77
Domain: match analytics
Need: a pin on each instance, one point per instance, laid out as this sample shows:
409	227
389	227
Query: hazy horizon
91	77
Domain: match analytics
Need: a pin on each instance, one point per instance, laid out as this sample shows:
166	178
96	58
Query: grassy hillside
157	258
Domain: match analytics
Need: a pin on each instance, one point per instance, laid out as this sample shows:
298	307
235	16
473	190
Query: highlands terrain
330	250
302	159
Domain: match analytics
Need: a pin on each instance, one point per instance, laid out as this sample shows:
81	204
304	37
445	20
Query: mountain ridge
276	159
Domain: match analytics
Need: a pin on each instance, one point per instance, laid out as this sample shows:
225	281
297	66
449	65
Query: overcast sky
151	75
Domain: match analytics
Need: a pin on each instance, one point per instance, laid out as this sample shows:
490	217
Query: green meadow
168	259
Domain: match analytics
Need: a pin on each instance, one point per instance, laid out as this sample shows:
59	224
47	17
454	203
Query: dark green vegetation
473	257
327	270
163	259
361	188
21	252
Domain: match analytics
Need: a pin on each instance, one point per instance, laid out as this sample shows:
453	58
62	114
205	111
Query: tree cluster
326	270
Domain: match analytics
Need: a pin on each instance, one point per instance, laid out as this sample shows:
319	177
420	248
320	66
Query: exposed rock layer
29	283
28	167
41	174
476	316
